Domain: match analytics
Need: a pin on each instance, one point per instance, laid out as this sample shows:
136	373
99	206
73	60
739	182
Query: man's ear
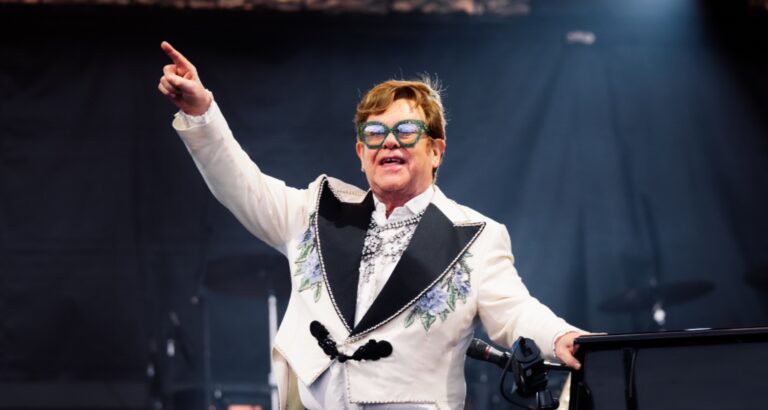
437	150
359	149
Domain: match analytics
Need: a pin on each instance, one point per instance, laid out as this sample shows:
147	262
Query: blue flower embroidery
308	262
441	299
462	286
434	302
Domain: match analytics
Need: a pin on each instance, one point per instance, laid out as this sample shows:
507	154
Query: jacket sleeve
506	308
266	207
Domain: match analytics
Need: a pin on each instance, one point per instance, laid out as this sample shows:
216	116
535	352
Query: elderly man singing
386	283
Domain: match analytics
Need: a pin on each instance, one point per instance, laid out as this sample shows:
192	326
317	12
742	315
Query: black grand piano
701	369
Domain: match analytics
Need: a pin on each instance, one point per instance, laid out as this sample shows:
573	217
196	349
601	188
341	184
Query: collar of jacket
442	237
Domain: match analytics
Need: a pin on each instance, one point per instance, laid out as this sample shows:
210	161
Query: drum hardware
252	276
656	297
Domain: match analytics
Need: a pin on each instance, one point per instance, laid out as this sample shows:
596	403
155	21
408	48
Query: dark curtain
640	156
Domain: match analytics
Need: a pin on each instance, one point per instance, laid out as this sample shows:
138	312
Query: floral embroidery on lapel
441	299
308	261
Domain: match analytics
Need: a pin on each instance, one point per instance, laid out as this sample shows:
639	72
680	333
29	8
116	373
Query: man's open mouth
392	160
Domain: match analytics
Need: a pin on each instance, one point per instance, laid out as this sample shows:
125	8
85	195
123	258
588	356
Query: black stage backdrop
642	155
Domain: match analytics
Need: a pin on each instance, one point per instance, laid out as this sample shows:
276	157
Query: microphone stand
272	306
544	398
528	368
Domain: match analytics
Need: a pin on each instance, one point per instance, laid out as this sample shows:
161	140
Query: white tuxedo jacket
457	267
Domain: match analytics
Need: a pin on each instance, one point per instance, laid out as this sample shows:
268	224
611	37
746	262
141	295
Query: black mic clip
372	350
527	367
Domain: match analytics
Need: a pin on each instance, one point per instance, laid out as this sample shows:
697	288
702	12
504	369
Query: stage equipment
252	276
655	297
528	368
192	396
177	340
273	393
692	369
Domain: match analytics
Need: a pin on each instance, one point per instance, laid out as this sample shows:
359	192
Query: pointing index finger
177	57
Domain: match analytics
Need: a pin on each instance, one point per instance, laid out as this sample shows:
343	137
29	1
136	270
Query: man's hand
181	84
565	349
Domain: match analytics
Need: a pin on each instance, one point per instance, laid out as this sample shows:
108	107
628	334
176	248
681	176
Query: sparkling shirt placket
376	270
384	247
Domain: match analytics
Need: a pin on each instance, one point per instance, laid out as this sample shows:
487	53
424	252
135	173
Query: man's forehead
405	105
412	104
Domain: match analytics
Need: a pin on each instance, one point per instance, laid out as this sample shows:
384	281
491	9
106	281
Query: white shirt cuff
557	336
199	120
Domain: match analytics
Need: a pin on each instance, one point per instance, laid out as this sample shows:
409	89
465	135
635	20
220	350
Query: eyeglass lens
406	133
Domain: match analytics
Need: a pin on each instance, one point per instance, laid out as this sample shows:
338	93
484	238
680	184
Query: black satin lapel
341	230
434	247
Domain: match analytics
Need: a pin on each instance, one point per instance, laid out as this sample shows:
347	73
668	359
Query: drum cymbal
249	275
644	298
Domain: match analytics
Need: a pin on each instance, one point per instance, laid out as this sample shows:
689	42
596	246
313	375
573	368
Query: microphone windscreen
477	349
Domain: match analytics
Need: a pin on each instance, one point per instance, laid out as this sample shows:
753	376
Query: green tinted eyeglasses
406	132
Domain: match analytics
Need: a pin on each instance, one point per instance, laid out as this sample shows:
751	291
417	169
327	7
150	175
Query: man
386	283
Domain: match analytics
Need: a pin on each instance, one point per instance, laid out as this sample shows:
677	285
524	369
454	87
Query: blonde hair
424	92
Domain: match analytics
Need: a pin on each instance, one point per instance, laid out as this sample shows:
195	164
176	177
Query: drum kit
655	297
255	276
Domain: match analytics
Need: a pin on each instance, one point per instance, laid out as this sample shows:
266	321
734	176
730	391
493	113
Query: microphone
525	363
480	350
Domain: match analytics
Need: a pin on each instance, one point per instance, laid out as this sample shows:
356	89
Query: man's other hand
565	349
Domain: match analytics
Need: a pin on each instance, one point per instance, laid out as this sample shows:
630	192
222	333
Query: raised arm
266	207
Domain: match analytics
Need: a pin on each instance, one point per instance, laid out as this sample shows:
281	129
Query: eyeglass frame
423	129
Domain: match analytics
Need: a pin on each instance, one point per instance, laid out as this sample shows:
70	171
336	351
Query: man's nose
390	141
